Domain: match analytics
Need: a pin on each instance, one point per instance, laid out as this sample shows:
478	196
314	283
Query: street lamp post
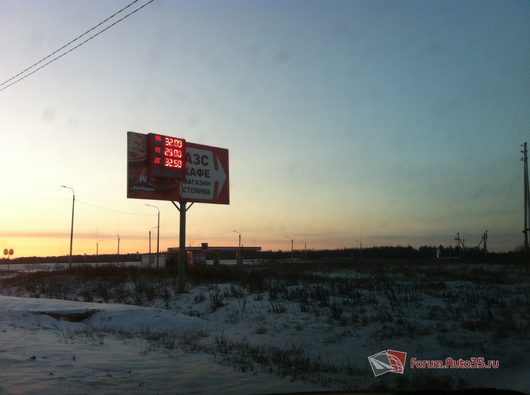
240	255
118	235
292	246
155	227
71	225
361	245
157	235
97	249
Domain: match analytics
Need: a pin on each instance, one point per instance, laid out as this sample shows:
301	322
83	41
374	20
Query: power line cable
72	49
68	43
28	196
515	177
509	195
113	210
23	195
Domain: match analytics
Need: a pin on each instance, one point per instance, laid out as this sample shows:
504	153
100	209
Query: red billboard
206	179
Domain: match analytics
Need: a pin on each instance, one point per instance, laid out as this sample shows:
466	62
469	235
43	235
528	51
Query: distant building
200	255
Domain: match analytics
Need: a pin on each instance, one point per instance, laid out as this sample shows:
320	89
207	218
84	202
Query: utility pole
526	197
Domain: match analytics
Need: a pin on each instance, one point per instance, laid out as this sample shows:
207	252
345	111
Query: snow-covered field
266	329
116	350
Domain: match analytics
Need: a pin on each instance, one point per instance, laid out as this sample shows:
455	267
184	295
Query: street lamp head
150	205
67	187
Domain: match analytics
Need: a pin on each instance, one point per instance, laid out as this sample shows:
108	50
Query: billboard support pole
182	247
182	243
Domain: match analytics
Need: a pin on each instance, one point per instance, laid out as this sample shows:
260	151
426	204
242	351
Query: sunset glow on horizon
386	123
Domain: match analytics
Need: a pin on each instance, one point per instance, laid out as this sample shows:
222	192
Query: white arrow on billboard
219	176
203	171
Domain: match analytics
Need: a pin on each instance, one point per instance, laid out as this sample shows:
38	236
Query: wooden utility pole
526	197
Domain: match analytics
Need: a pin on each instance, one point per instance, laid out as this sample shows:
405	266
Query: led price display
167	156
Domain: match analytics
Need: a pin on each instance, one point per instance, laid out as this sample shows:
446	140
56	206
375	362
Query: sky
347	122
